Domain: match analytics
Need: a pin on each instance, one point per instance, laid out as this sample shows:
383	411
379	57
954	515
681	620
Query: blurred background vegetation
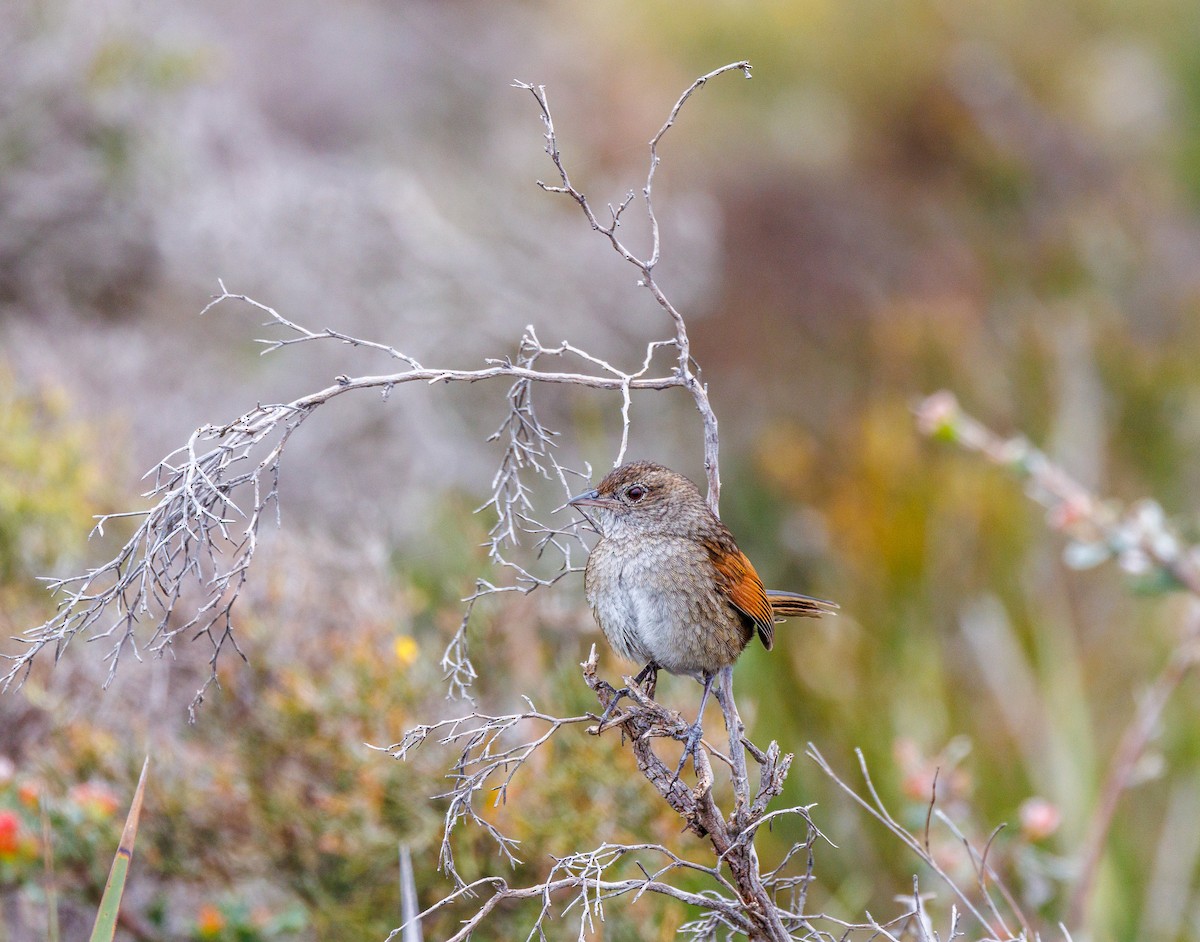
1000	198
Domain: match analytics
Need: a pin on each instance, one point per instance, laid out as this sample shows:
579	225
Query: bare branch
198	539
646	265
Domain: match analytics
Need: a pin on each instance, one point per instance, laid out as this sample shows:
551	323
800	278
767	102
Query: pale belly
647	614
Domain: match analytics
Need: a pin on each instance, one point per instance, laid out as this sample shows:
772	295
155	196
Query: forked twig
992	919
646	264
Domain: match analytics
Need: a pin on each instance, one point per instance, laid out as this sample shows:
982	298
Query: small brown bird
668	584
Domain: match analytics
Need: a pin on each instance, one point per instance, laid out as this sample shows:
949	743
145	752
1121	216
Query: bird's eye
636	492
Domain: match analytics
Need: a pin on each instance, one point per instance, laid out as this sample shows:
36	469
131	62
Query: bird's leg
697	729
649	671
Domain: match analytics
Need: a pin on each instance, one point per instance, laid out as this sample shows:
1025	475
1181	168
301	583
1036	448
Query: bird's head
643	497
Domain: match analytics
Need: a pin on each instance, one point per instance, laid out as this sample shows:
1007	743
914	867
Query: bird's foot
646	681
690	745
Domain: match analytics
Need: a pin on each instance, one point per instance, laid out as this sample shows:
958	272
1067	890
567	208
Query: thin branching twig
986	912
647	263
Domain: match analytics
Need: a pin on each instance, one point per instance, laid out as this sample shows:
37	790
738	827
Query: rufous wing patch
743	587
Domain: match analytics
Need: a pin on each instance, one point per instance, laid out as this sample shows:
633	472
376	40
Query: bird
668	585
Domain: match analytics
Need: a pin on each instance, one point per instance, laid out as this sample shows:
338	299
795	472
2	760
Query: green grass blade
110	903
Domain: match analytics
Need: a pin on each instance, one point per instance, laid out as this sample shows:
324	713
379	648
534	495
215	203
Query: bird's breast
656	600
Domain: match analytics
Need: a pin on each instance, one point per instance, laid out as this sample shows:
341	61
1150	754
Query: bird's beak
590	498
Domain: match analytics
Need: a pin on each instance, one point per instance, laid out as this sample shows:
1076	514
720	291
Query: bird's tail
795	605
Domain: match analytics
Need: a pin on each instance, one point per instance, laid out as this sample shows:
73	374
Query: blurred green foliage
49	482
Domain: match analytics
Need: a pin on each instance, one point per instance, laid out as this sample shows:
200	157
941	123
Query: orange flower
209	921
28	794
10	829
95	799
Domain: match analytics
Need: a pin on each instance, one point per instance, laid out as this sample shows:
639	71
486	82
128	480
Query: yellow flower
406	650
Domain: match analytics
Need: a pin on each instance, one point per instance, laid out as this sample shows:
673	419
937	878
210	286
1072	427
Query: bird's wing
742	586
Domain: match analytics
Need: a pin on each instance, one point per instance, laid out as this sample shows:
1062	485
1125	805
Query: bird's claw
690	745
